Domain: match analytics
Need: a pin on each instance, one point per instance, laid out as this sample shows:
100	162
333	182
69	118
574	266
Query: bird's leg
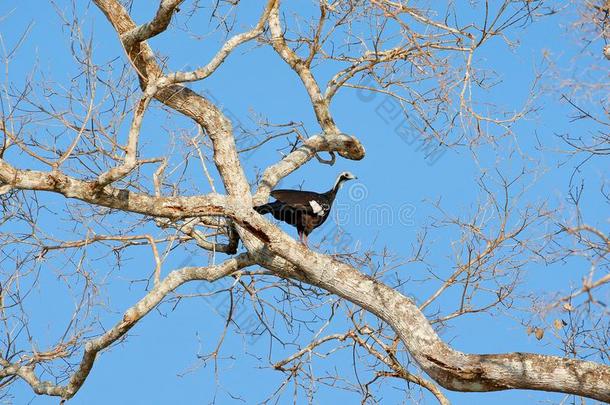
300	236
305	240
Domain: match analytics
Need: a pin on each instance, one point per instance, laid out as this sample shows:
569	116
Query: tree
93	142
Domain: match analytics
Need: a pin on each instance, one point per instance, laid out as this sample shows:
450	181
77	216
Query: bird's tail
263	209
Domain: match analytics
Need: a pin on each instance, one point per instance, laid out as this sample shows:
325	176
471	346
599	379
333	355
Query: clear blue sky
151	366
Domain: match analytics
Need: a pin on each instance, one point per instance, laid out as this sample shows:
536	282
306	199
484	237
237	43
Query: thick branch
156	26
452	369
319	102
120	199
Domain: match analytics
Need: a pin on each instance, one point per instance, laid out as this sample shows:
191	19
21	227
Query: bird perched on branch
306	210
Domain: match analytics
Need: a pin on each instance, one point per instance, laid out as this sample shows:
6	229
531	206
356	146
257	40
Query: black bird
306	210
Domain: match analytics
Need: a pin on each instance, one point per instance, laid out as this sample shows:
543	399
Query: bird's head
347	176
343	177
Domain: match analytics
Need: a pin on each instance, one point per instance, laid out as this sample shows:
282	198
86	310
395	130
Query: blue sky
158	362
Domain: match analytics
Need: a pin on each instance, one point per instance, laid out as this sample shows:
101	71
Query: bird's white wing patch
317	208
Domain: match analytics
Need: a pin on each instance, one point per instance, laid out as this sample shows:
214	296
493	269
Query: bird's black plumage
306	210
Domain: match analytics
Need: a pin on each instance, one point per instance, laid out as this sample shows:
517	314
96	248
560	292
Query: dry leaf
539	332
